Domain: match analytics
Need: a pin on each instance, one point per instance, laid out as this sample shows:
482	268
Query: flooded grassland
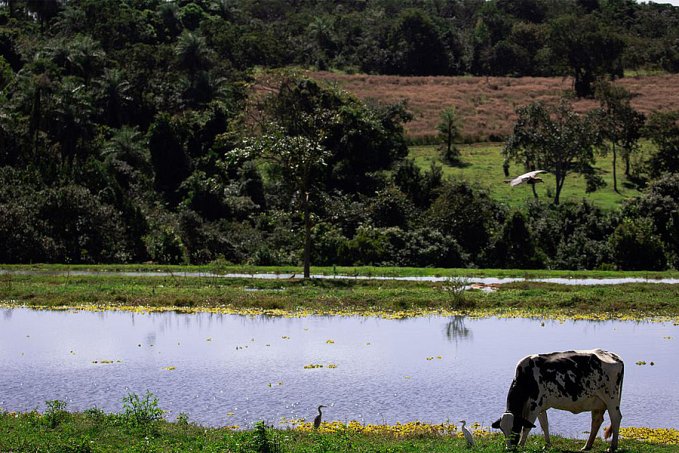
388	353
297	297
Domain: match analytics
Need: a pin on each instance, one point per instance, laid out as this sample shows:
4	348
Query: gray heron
317	420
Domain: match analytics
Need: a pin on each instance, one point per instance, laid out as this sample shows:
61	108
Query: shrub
83	228
95	414
454	288
141	412
203	241
326	241
467	214
635	246
514	246
55	413
571	235
163	242
182	419
423	247
22	237
390	208
660	204
365	248
264	439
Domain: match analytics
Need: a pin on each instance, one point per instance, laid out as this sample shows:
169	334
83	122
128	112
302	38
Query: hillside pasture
482	164
487	105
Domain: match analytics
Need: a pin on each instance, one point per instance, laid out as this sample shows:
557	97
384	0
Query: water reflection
484	280
431	369
456	329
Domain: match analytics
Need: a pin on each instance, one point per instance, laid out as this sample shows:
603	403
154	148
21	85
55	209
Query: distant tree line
133	130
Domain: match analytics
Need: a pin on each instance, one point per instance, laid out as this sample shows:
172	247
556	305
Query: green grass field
482	164
95	431
296	297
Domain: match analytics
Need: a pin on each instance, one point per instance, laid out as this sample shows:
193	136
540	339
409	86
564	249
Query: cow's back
576	381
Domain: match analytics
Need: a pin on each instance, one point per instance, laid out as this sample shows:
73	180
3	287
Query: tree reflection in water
456	330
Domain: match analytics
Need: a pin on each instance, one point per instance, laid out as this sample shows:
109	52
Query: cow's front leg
527	425
597	420
524	436
544	424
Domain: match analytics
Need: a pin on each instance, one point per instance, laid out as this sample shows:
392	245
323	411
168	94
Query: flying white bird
467	435
528	178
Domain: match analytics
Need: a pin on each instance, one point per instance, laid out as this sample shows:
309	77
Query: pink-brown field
487	105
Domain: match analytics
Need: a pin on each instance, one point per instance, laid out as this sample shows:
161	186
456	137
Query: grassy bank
297	297
139	429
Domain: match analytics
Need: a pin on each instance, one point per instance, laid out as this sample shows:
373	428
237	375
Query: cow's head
511	426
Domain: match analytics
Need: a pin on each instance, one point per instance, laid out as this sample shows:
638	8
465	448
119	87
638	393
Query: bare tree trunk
559	185
615	176
535	194
307	239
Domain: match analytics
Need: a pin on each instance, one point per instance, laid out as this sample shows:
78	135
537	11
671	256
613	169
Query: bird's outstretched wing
525	177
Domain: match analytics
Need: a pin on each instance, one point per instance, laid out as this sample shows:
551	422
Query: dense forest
180	132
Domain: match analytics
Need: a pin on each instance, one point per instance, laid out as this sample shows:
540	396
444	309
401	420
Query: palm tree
80	56
320	39
169	16
126	157
127	145
71	117
32	96
11	4
193	54
60	52
9	125
70	20
206	88
226	9
86	56
44	10
113	93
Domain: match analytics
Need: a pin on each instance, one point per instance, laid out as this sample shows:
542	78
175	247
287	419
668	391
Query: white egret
528	178
467	434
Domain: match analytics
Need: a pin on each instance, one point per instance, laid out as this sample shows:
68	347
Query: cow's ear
496	424
526	424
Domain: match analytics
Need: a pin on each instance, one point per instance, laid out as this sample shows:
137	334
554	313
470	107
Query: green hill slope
482	164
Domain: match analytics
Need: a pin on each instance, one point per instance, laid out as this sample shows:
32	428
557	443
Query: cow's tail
608	431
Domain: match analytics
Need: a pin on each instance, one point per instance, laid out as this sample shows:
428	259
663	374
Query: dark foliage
123	127
467	215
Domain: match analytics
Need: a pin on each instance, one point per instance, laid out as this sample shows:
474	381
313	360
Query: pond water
377	276
236	370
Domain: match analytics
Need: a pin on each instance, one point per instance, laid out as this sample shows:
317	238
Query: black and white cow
575	381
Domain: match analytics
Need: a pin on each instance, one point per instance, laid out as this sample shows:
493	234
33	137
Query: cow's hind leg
544	424
597	420
616	418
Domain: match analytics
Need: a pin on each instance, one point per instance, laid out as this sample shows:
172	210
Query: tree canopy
186	132
555	139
